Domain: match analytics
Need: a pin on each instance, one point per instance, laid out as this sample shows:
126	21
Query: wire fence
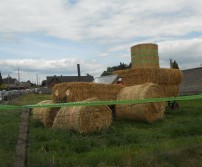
28	143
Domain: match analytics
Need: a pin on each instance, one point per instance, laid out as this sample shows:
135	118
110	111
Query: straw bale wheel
148	112
83	119
45	115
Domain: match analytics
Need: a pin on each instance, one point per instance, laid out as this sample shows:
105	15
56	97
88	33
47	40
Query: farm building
192	81
11	83
52	80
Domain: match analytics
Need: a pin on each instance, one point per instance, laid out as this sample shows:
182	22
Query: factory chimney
79	72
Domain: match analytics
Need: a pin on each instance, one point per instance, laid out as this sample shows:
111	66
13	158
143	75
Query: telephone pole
19	78
37	80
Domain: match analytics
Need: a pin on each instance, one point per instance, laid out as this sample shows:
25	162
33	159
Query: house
11	83
52	80
25	85
192	81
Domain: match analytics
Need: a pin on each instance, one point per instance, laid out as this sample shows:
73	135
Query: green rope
96	103
144	55
144	50
145	61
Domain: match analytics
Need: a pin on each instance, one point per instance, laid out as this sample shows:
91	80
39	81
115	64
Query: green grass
30	99
174	141
9	126
9	123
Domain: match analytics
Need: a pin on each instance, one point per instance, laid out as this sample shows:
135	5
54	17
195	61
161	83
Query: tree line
123	66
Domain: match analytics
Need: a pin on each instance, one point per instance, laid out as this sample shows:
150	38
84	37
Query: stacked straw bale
45	115
148	112
83	119
79	91
145	55
167	79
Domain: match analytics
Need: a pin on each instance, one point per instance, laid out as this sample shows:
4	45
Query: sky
50	37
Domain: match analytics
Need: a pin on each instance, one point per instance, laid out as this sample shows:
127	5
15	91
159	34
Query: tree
43	83
110	70
175	65
1	80
87	74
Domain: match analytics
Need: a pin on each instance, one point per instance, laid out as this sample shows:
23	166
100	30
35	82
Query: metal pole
8	81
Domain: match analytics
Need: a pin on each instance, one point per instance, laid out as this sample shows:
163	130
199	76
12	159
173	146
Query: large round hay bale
83	119
79	91
169	76
145	55
147	112
45	115
170	90
168	79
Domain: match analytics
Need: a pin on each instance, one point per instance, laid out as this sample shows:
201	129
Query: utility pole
39	81
19	78
8	81
36	80
171	63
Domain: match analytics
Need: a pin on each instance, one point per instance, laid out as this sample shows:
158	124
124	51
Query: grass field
174	141
9	126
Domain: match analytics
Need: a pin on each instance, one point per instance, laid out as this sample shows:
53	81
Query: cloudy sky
50	37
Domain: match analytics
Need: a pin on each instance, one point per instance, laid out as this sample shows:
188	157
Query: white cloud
29	67
104	54
186	52
112	20
113	26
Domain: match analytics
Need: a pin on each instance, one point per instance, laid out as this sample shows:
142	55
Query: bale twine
79	91
83	119
145	55
148	112
45	115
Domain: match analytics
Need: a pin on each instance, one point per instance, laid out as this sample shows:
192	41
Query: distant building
11	83
25	85
192	81
52	80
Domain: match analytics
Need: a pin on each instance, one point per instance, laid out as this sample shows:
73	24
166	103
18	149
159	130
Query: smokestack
79	72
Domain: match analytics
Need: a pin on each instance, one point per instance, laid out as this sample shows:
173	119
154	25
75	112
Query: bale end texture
83	119
45	115
147	112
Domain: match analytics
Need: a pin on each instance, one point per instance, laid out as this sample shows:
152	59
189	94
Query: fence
39	147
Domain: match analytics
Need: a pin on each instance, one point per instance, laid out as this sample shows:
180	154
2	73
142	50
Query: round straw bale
136	76
147	112
45	115
54	91
145	55
79	91
83	119
170	90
